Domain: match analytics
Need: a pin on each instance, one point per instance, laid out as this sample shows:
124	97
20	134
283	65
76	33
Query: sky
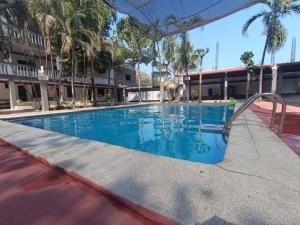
232	44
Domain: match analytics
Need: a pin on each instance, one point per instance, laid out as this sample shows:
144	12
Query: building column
280	82
44	95
189	91
274	79
12	94
200	87
124	95
225	86
184	90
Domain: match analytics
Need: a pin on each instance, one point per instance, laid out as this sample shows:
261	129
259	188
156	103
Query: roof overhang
177	16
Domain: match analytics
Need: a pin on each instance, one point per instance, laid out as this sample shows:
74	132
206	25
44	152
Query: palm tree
78	26
48	15
185	60
199	54
246	58
276	33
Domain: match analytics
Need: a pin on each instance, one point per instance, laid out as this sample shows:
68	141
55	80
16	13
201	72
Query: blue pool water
167	130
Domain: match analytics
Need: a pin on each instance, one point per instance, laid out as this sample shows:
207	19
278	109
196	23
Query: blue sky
227	32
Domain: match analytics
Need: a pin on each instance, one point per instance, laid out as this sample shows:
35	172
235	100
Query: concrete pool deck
257	183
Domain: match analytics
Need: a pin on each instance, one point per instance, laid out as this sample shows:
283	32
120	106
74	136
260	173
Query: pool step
207	127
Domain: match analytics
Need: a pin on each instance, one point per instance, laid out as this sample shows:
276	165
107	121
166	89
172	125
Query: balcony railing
19	35
24	71
29	72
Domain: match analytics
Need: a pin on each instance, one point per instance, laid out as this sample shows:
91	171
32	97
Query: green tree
247	59
79	26
199	55
135	36
185	61
276	33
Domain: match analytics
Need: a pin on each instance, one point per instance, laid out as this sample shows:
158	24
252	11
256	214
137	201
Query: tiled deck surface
291	130
257	183
35	193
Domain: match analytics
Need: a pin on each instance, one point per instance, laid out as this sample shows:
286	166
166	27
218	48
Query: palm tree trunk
46	56
84	83
161	85
200	81
248	85
93	83
93	90
186	97
109	91
61	86
260	88
139	81
72	81
200	86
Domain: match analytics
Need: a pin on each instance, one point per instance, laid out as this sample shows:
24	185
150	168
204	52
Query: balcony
19	71
18	36
24	71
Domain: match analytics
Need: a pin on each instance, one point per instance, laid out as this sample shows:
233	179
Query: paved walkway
33	192
257	183
291	130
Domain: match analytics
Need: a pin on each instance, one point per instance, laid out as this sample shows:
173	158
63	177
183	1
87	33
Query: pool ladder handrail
249	101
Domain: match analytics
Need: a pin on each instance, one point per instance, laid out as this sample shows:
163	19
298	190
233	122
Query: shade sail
176	16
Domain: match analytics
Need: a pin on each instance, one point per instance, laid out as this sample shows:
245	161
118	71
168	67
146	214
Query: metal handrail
250	100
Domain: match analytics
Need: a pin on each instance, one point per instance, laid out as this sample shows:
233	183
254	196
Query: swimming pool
171	130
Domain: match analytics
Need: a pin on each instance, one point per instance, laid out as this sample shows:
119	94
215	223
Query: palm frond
251	20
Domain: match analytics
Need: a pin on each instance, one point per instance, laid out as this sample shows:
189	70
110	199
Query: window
69	92
100	91
128	77
210	92
6	85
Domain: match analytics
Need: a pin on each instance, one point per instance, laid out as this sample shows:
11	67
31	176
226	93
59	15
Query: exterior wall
146	96
52	93
117	76
290	86
216	90
4	92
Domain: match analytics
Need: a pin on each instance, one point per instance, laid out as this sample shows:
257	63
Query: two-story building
19	64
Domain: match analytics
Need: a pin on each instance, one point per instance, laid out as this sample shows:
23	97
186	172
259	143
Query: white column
12	94
188	90
280	82
124	95
44	95
161	92
225	86
274	79
112	74
43	78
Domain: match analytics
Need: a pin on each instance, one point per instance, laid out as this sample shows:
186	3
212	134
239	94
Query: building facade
19	64
282	78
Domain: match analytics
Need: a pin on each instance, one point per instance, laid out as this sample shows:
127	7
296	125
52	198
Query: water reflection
168	130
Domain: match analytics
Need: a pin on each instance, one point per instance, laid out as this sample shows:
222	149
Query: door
22	93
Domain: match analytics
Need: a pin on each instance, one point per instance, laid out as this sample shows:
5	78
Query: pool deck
257	183
291	131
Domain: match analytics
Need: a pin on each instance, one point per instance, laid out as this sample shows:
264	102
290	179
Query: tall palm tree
199	55
185	59
276	33
79	27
